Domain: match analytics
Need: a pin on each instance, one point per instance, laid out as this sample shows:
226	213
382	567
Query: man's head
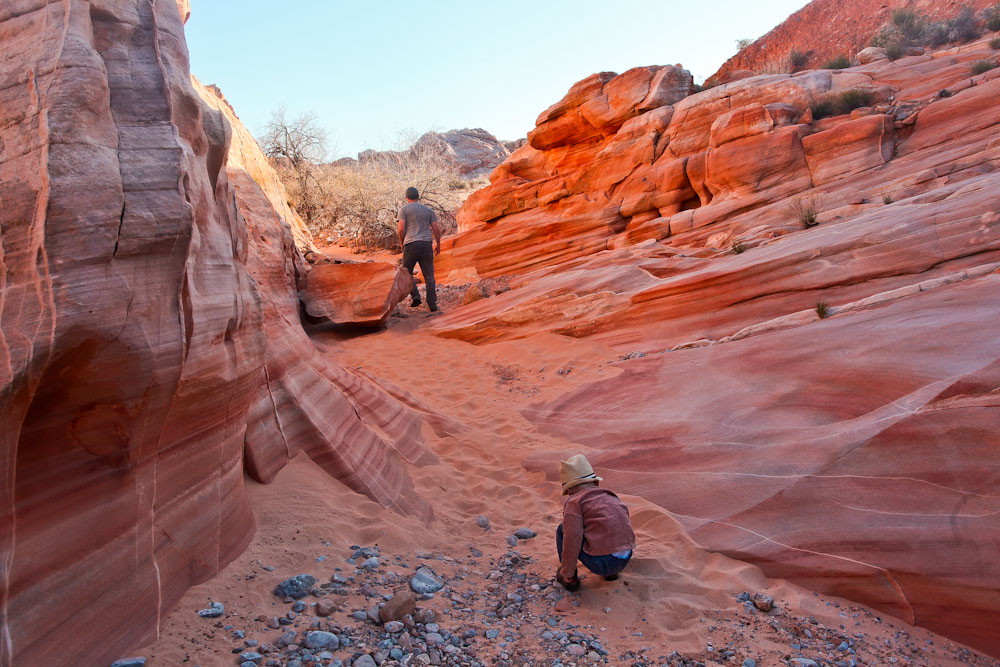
574	471
412	194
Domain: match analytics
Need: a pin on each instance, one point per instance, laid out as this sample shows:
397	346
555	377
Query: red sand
679	596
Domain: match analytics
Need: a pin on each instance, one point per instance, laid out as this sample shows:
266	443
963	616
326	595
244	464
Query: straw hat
574	471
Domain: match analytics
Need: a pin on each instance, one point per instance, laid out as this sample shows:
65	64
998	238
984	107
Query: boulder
362	293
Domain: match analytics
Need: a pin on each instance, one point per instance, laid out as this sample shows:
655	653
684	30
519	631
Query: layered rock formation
826	29
150	335
355	293
471	152
816	303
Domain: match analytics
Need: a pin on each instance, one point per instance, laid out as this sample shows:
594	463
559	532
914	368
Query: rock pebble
364	661
425	581
129	662
524	533
252	657
763	602
295	587
398	606
483	522
325	607
215	610
322	640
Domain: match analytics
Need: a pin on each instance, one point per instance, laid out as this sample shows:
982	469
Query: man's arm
402	231
437	237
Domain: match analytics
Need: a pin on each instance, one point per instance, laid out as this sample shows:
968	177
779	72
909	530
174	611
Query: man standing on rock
418	227
596	529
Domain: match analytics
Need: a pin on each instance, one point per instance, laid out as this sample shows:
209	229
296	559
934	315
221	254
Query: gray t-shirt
418	219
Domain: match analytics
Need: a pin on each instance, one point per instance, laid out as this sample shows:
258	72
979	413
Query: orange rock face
150	337
826	29
816	301
356	293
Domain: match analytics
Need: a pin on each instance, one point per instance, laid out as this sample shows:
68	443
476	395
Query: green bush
887	199
797	60
845	102
910	24
738	247
840	62
993	22
981	66
894	51
822	309
995	43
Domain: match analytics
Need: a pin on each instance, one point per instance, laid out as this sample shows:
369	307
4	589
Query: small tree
296	147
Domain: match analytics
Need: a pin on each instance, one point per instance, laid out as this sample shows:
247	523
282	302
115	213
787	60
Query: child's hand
571	585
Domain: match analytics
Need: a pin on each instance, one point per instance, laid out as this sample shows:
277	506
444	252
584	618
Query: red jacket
595	521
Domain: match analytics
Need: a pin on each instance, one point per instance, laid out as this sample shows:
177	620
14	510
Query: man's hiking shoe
434	309
415	304
611	577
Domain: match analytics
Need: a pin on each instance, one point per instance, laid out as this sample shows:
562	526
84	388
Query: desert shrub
911	24
743	43
991	18
836	104
738	246
887	199
362	199
995	43
805	211
822	309
855	98
894	51
964	27
823	108
981	66
797	60
840	62
937	34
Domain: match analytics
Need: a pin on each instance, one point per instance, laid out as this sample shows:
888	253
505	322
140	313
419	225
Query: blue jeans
605	566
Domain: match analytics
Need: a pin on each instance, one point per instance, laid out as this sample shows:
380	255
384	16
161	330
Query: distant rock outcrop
814	302
150	336
826	29
471	152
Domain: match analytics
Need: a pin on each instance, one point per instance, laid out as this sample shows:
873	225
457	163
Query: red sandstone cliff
150	335
826	29
856	453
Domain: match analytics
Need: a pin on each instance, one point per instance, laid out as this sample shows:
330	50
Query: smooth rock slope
805	310
150	336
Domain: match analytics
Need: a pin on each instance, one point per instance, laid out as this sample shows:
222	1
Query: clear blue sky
378	71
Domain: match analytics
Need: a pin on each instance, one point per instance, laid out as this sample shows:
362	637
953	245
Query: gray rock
214	611
803	662
248	663
364	661
299	607
433	638
252	657
295	587
394	627
511	541
749	662
320	639
129	662
524	533
492	634
425	581
359	615
483	522
370	564
575	649
763	602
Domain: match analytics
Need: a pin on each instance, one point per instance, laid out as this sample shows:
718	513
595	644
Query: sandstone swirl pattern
150	342
857	454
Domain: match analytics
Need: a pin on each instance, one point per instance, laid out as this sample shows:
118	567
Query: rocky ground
473	608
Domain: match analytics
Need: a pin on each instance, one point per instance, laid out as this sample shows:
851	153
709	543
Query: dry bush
361	199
